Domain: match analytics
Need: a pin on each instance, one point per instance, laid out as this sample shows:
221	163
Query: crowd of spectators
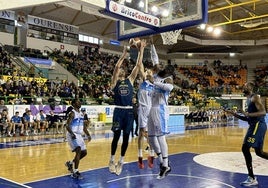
261	74
218	78
94	70
27	124
209	116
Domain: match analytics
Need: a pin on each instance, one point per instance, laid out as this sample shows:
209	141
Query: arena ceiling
244	23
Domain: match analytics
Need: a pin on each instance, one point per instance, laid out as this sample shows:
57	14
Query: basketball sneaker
249	182
69	166
140	163
164	171
112	167
150	161
119	168
77	175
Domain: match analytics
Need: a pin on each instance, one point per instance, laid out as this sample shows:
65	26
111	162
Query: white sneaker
249	182
119	168
112	167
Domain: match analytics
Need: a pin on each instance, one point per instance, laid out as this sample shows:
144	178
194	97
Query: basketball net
171	37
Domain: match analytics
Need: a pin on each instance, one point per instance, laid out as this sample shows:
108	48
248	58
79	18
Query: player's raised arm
136	69
117	67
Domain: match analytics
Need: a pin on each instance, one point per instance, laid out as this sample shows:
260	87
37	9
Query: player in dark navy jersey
254	138
123	116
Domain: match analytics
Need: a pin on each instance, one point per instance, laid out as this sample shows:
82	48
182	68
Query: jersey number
251	140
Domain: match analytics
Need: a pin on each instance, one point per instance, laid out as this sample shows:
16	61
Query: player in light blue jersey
75	128
158	118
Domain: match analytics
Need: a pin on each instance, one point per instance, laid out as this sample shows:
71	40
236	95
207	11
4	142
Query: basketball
135	43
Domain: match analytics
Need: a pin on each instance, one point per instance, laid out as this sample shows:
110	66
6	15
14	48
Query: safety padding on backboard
98	125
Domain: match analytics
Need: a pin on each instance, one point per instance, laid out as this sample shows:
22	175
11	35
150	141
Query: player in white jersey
144	97
158	119
75	128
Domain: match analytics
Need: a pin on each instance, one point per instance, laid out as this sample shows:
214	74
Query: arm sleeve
154	56
164	86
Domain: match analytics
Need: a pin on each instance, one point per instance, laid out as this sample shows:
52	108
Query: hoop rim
171	37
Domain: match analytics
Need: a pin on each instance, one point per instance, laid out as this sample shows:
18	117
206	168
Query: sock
121	159
151	152
160	158
165	161
75	170
139	152
112	158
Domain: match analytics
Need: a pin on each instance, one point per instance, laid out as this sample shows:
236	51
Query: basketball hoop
171	37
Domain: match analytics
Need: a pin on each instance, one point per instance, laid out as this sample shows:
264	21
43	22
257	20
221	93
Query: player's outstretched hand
143	43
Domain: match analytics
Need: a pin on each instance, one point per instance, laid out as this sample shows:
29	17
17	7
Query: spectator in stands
5	126
2	80
16	123
29	122
135	111
54	122
3	106
31	71
205	117
41	121
86	118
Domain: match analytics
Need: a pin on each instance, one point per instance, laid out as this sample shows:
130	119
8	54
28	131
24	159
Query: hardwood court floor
32	158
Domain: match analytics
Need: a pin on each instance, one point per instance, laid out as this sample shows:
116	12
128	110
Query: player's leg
248	158
259	138
140	146
165	167
142	121
128	122
80	152
151	152
153	141
116	128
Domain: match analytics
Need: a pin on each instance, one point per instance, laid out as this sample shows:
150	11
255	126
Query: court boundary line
6	179
97	169
179	175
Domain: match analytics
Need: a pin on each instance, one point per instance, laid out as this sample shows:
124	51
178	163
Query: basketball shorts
143	116
123	119
74	143
255	135
158	121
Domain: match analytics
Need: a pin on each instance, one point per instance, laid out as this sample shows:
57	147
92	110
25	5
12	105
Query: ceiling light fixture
202	26
253	24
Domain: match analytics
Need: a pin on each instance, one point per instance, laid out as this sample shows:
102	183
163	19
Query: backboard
137	18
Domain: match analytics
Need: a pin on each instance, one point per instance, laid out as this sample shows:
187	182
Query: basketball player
75	127
123	117
144	97
158	118
255	116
